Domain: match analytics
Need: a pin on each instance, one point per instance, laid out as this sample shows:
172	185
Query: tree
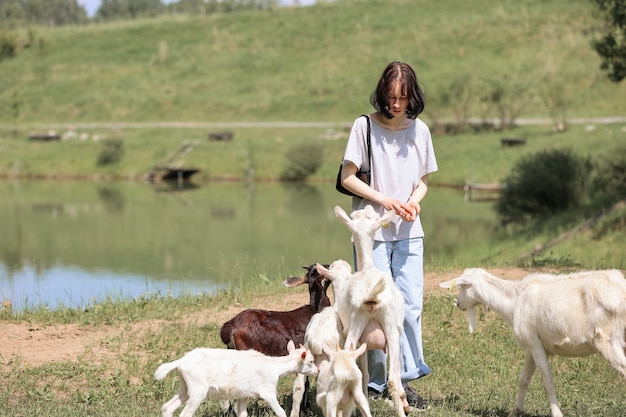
129	9
41	12
612	46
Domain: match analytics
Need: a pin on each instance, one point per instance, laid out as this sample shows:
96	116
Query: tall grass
314	63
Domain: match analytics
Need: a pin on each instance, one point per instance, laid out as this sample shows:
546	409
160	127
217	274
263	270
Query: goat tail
378	288
165	369
372	302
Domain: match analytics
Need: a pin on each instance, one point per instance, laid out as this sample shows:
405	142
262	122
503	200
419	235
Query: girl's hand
407	212
413	210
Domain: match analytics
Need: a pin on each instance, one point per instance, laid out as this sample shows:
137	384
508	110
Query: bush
302	161
111	152
609	180
8	44
543	184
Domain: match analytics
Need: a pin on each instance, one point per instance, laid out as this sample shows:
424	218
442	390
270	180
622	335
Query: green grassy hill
310	64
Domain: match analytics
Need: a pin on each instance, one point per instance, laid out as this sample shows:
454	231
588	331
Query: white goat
567	315
370	306
233	375
339	385
324	329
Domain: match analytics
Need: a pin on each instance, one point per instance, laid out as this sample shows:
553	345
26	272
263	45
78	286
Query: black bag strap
369	141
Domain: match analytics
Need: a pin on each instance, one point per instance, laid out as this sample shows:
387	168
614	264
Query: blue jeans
404	259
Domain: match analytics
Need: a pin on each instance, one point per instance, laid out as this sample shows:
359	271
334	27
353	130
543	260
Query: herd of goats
572	315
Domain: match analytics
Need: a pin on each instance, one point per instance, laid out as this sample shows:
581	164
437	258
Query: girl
402	156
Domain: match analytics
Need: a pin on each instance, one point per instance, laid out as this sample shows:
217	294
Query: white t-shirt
399	160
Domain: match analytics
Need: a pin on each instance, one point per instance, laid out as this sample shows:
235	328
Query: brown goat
269	331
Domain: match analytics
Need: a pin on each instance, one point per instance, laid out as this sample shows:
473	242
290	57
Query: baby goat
567	315
269	331
370	308
324	329
232	375
339	385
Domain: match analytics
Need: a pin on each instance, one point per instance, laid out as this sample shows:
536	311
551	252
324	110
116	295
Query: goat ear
294	281
291	346
448	284
454	282
328	351
322	270
342	215
360	350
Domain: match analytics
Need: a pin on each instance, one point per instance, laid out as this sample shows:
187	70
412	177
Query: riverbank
38	340
262	153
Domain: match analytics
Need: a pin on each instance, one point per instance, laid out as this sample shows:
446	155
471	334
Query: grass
285	65
262	152
473	375
310	64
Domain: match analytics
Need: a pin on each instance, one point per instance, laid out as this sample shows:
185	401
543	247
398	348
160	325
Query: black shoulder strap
369	141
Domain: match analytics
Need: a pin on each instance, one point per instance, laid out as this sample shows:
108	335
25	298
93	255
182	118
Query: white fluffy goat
567	315
232	375
339	385
324	329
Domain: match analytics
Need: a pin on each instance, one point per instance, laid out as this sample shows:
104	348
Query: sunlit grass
472	374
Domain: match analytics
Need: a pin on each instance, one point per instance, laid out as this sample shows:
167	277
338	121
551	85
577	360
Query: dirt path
34	344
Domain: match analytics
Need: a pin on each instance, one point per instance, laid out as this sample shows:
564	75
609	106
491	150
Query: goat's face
312	278
365	221
349	354
467	298
339	269
466	301
306	361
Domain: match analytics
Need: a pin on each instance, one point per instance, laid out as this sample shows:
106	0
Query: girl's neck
394	124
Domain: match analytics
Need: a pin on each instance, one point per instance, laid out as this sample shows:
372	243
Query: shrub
608	183
8	44
111	153
541	185
302	161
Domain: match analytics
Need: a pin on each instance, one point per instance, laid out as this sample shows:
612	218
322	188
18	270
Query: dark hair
398	71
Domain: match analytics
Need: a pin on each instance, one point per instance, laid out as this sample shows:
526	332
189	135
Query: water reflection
74	243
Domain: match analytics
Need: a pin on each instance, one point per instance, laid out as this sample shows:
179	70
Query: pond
70	244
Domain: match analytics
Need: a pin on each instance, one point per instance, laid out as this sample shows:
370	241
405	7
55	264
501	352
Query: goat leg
298	394
524	379
396	390
541	361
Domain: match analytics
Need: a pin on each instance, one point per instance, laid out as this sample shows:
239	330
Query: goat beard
471	318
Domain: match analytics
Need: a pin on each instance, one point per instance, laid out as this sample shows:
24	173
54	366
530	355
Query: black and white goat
269	331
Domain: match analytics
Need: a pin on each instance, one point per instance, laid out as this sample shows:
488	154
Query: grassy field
473	375
524	59
312	64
